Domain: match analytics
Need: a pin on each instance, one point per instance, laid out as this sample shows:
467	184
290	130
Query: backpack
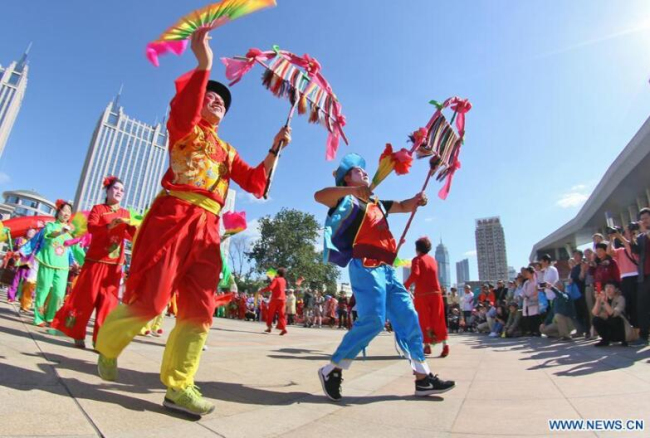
573	291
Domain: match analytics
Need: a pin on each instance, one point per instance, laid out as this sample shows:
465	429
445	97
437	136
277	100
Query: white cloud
252	231
575	196
471	253
4	178
250	199
430	219
569	200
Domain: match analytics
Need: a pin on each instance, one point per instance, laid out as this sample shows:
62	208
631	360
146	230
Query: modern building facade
444	270
27	203
13	83
462	272
129	149
491	250
623	190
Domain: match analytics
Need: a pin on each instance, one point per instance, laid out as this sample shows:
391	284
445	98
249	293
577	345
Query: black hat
221	90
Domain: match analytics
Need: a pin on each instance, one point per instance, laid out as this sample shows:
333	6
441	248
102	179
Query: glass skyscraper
129	149
462	272
444	271
13	82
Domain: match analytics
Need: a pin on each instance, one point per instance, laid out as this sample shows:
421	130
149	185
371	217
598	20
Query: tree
237	254
287	240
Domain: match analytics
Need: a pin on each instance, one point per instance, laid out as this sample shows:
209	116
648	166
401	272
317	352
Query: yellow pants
182	352
26	295
153	325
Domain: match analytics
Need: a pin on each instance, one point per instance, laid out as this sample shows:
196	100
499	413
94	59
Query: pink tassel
155	49
237	68
332	145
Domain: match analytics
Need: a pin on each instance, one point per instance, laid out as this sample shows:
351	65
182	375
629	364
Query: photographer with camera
619	249
640	246
606	268
609	316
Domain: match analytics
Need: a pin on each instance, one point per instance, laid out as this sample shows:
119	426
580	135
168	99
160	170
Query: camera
613	230
633	227
542	284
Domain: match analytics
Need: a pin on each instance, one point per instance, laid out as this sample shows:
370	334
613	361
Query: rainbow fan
271	273
174	40
399	161
136	218
79	224
401	263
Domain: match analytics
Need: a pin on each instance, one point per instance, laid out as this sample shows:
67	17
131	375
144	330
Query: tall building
462	272
13	82
444	270
512	273
129	149
491	250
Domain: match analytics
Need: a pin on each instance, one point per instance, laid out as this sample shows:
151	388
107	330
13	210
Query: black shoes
331	383
432	385
602	343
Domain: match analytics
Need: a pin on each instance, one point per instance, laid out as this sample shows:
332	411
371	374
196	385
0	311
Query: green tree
287	240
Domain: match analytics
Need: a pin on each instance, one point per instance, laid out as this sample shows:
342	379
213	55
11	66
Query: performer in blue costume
357	233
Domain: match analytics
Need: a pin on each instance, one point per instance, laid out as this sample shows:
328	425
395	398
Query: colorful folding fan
174	40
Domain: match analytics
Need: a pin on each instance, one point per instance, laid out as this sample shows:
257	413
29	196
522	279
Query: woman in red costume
97	286
177	246
428	297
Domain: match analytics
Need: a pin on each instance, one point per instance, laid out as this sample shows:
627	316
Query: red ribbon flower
311	65
403	161
254	53
108	181
60	203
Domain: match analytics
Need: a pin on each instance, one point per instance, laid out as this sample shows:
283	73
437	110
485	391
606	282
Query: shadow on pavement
585	358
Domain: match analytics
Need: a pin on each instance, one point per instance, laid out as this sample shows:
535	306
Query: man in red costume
97	287
177	245
428	297
278	302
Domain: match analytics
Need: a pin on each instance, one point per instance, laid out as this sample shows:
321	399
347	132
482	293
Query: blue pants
379	294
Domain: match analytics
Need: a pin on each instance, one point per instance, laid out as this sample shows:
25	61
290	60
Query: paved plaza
267	386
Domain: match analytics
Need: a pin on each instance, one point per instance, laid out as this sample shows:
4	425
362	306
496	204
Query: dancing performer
278	302
97	286
54	260
357	232
177	245
428	297
22	266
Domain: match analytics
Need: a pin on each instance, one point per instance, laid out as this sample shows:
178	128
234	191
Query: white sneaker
493	335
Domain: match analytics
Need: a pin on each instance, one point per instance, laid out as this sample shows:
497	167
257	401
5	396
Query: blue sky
558	89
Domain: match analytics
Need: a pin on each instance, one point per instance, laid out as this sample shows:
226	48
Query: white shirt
551	278
467	302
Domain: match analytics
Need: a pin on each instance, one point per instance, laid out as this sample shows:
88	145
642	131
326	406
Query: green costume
54	263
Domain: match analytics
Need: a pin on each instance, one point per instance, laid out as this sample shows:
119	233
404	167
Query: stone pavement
266	386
